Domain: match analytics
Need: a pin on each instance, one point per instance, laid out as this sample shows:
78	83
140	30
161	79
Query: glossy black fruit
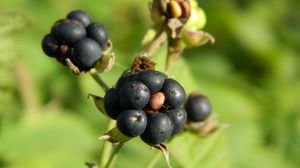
178	117
174	93
50	45
70	31
132	122
54	27
80	16
111	103
198	107
98	33
134	95
127	77
158	130
85	53
153	79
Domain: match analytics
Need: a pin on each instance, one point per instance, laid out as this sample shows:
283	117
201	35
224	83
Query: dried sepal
141	63
197	38
164	149
108	47
73	67
114	136
204	129
175	26
91	165
105	63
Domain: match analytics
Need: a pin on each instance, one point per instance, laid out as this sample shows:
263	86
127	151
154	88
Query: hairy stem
97	78
113	156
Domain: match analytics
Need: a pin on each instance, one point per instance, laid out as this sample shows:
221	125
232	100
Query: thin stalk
107	147
113	156
102	84
160	37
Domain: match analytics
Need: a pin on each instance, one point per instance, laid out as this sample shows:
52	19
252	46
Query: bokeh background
251	75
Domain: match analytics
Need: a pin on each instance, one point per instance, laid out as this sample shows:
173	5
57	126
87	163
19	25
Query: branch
97	78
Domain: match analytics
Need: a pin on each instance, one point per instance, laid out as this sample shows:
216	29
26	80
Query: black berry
132	122
198	107
85	53
80	16
178	117
97	32
54	27
50	45
111	103
70	31
158	130
153	79
127	77
134	95
174	93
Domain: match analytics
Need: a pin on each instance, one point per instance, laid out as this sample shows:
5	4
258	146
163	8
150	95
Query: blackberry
174	93
127	77
153	79
198	107
178	117
69	31
158	130
132	122
111	103
80	16
97	32
134	95
50	45
85	53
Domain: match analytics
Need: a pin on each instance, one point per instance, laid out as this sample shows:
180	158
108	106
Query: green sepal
114	136
99	102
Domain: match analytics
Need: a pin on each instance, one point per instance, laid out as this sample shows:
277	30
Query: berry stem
174	51
97	78
159	39
113	156
107	147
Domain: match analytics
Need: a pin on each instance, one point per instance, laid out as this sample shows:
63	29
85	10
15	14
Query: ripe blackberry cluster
147	104
76	38
198	107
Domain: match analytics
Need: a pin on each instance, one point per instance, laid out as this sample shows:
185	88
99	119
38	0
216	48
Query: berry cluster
76	38
147	104
198	107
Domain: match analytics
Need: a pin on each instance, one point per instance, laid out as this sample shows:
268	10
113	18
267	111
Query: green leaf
43	142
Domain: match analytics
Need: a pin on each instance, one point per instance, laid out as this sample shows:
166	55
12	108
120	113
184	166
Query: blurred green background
251	75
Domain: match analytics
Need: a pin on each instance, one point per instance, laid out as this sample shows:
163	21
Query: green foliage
251	75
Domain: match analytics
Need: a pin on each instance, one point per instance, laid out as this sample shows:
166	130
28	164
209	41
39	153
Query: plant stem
154	160
160	37
27	90
156	43
97	78
107	147
113	156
